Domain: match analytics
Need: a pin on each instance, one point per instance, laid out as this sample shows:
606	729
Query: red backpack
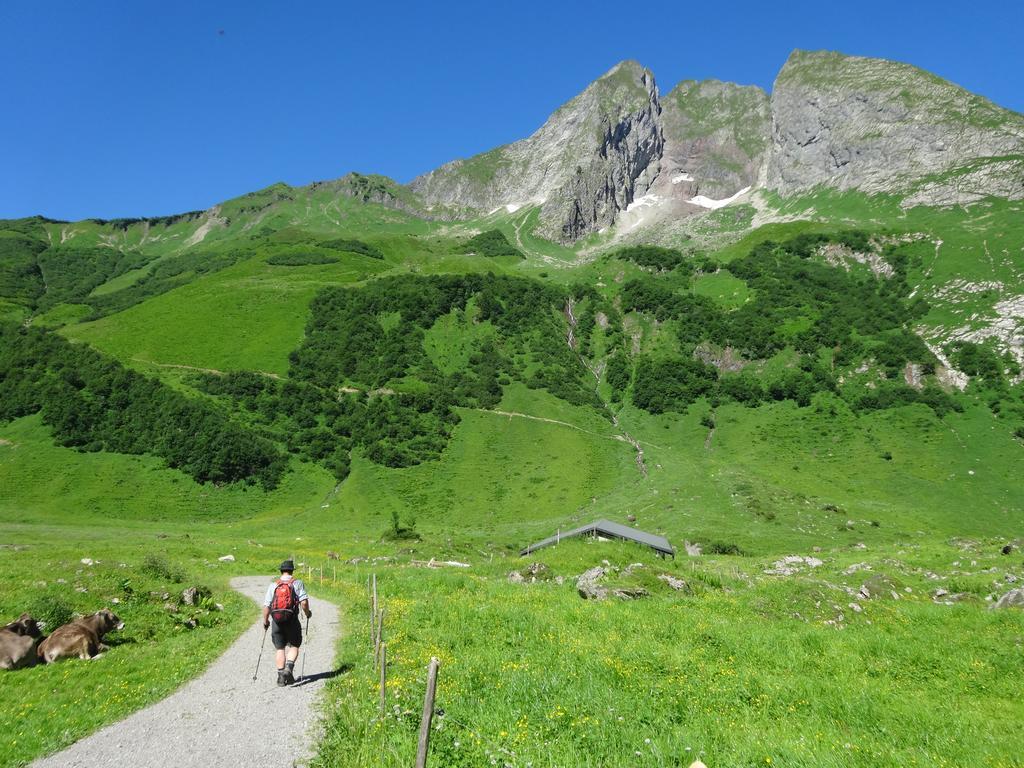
285	604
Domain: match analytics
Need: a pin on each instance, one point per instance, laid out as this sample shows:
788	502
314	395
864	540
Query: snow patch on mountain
707	202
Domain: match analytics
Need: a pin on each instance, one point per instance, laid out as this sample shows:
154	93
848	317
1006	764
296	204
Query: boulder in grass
194	595
587	584
677	584
1012	599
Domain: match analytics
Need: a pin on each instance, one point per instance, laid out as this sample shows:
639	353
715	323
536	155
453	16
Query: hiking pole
260	657
302	674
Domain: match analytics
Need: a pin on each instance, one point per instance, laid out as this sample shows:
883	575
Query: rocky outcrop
716	137
589	161
847	122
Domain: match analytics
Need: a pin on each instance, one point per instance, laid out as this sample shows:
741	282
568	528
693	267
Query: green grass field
745	668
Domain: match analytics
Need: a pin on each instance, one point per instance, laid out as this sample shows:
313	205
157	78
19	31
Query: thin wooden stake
383	677
428	714
380	636
373	611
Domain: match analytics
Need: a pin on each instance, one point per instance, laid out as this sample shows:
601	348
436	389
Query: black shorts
289	633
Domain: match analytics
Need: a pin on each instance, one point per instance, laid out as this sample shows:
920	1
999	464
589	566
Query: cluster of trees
92	403
362	377
652	257
323	426
40	275
21	280
821	312
491	243
796	303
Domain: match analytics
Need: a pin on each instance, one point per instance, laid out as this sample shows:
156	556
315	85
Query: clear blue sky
136	108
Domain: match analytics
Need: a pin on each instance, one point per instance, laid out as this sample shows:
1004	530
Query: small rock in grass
674	583
227	559
194	595
630	593
87	561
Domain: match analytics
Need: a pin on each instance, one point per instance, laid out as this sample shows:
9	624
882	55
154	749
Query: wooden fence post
383	677
373	611
428	714
380	636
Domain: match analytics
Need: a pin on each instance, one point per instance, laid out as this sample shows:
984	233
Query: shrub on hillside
301	259
652	257
354	246
490	243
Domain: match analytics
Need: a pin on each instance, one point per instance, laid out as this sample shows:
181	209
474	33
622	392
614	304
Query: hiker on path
284	598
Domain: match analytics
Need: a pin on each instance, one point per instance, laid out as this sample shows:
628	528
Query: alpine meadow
784	331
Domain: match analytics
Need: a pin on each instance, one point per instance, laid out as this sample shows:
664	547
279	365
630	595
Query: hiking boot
289	678
282	678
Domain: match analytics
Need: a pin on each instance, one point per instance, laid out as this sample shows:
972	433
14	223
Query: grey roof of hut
610	530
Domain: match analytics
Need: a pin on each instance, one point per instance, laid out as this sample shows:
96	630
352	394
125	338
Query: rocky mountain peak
850	122
619	153
588	161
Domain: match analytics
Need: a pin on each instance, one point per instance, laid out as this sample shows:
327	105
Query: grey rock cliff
591	158
847	122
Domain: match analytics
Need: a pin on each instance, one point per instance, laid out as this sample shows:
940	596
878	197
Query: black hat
287	565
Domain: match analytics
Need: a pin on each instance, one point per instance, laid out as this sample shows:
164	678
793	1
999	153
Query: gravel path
222	718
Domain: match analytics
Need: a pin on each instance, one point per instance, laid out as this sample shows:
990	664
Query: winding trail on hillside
213	371
222	719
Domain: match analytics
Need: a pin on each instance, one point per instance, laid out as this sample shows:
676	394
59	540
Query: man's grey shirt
297	585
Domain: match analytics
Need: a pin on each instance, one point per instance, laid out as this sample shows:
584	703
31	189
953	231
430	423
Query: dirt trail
223	719
213	371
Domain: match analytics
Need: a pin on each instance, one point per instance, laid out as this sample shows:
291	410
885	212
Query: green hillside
316	369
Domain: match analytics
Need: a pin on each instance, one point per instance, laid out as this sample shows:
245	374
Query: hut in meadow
605	529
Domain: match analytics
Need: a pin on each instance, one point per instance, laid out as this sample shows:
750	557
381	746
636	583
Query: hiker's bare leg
293	653
279	658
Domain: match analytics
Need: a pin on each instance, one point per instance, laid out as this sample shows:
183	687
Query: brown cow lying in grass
82	637
18	643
